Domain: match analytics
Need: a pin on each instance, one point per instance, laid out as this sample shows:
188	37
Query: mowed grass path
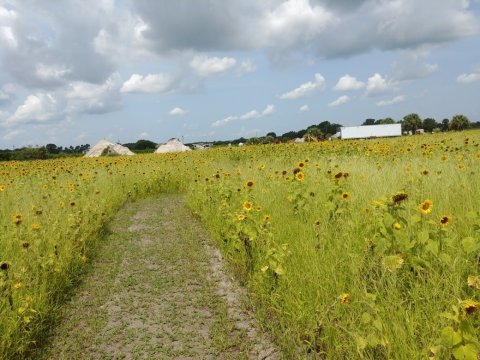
157	290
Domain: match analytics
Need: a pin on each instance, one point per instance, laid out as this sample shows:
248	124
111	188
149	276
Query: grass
335	267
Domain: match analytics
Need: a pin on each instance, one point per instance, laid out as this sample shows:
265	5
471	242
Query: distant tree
368	122
52	149
385	121
459	123
429	124
272	134
445	125
327	128
411	122
313	134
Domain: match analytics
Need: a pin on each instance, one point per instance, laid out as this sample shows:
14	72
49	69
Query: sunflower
344	298
36	226
17	219
473	281
399	197
249	184
72	203
469	307
397	226
338	175
2	188
426	207
241	217
345	196
266	219
445	220
247	206
299	176
4	266
301	164
317	223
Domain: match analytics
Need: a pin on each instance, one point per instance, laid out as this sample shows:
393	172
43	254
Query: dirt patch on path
158	290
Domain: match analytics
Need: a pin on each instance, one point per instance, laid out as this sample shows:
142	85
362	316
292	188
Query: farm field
349	249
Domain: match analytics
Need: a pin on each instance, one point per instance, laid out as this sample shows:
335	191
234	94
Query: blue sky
77	71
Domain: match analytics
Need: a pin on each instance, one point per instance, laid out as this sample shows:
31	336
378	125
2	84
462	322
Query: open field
349	249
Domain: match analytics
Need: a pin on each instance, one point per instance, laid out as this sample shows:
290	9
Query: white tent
172	145
105	147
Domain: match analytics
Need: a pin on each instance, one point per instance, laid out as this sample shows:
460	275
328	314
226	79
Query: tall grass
350	249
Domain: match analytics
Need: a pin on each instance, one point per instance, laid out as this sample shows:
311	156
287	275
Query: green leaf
378	325
470	245
466	352
423	237
415	219
361	343
450	337
392	262
432	246
366	318
372	340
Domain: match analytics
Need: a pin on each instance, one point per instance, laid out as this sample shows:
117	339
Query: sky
76	71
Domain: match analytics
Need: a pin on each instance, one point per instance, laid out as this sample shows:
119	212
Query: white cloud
254	114
340	101
347	82
305	89
296	21
377	85
177	112
395	100
247	66
55	73
250	115
205	66
147	84
37	108
269	110
468	78
83	97
411	65
304	108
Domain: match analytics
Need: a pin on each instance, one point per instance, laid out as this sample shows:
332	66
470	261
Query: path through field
158	290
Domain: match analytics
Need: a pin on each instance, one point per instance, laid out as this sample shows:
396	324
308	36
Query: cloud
269	110
304	108
377	85
83	97
305	89
468	78
250	115
37	108
340	101
325	28
247	66
177	112
205	66
395	100
347	82
147	84
410	65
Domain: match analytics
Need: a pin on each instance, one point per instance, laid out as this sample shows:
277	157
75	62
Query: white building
370	131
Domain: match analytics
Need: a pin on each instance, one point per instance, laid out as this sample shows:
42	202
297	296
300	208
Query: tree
313	134
368	122
385	121
411	122
459	123
429	124
445	125
272	134
52	148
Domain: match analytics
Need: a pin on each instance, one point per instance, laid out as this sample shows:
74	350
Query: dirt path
158	290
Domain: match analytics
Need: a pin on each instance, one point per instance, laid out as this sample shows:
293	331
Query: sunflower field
349	249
